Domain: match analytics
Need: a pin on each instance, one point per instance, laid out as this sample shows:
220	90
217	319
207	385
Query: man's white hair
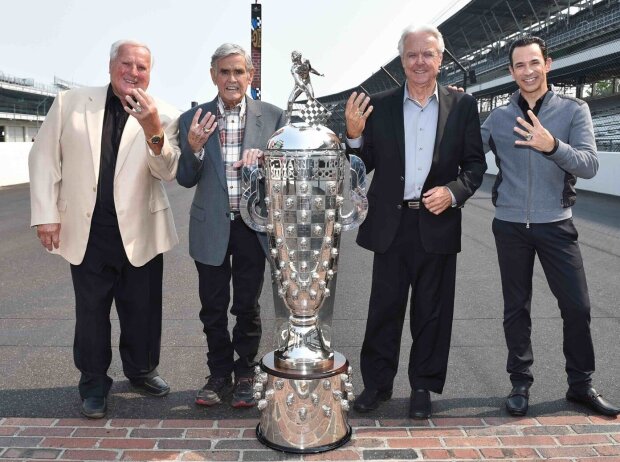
228	49
429	28
116	46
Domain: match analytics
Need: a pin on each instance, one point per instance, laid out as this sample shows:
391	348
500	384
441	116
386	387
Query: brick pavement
567	438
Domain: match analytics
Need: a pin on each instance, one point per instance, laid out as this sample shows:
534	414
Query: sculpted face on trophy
298	197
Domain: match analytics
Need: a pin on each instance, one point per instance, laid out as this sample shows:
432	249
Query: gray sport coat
209	223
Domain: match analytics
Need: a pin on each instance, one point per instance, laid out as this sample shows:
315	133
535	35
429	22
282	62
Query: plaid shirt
231	126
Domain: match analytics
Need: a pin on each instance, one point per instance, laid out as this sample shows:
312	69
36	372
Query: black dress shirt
114	121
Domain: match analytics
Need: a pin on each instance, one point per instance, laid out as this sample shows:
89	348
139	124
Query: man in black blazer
423	143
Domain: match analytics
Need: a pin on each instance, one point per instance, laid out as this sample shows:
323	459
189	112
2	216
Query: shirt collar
241	107
407	97
111	100
523	104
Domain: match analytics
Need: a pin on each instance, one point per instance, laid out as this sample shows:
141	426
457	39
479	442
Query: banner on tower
256	33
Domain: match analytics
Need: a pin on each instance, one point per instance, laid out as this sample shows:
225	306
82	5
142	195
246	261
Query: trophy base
308	450
303	412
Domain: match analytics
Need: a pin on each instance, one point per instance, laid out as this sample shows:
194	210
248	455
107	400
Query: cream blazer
64	170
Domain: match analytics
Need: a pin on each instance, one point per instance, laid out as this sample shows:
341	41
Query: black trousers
245	265
104	275
558	251
431	277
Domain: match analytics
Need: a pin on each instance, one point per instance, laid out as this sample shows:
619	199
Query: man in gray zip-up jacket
542	142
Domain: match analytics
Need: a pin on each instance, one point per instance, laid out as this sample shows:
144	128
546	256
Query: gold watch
156	139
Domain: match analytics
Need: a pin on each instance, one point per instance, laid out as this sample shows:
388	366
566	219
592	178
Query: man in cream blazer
97	199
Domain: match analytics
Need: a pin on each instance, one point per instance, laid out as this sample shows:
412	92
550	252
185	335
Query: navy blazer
458	162
209	224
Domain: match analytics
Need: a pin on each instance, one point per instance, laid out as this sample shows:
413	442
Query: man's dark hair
526	40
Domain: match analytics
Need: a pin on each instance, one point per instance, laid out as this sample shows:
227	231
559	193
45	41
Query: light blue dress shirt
420	126
420	130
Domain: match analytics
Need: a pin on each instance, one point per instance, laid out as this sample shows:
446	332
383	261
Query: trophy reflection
304	388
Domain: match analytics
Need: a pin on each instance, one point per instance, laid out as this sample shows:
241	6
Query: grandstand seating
607	129
586	27
593	25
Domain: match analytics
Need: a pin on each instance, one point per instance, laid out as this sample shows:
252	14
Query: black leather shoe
154	386
420	404
94	407
593	399
370	399
517	401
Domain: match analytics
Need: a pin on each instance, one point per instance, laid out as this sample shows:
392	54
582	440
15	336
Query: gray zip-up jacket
532	187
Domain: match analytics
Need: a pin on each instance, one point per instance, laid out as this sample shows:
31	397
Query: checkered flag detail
314	113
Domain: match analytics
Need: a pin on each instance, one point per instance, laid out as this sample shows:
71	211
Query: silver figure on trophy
304	388
300	70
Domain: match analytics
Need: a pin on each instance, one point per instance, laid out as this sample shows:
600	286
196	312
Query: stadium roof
482	22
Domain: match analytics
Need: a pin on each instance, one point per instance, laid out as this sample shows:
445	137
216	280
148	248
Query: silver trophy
304	388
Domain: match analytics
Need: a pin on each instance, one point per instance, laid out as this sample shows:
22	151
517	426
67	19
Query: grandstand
583	38
24	104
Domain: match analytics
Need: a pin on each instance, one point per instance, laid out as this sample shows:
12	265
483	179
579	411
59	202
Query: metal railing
27	83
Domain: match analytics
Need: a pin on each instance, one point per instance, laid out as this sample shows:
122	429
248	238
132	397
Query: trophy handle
356	216
248	204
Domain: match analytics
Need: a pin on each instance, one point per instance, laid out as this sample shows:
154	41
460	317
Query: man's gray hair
429	28
227	49
116	46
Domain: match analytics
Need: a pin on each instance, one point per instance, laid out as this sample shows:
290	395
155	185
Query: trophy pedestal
301	412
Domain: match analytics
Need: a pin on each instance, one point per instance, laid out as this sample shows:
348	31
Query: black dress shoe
370	399
517	401
154	386
420	404
591	398
94	407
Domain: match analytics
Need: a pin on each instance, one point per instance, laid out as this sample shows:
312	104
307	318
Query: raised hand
201	130
142	107
356	112
536	136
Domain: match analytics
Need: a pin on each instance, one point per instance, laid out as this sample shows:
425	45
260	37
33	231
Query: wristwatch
156	139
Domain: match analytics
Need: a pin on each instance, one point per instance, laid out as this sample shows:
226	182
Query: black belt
412	204
233	214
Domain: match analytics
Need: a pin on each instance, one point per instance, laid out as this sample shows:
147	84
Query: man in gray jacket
231	132
552	144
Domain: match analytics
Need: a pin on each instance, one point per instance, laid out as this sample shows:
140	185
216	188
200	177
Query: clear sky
347	40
